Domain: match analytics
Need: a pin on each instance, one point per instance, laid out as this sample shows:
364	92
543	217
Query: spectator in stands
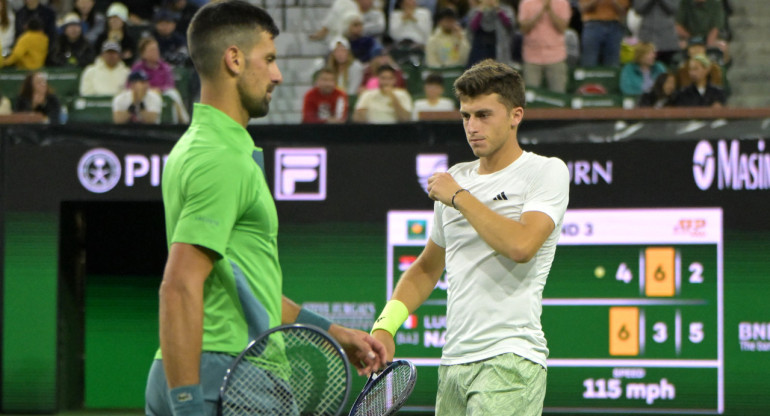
71	48
461	7
434	97
7	28
544	50
349	72
5	105
117	18
448	46
638	77
138	104
45	14
700	93
374	19
701	18
410	25
186	10
603	31
325	103
31	48
36	96
381	57
491	26
332	24
361	45
663	93
386	104
173	46
696	47
658	26
141	11
91	20
107	75
160	75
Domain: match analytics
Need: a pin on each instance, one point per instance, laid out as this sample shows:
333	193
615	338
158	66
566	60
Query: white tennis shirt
494	304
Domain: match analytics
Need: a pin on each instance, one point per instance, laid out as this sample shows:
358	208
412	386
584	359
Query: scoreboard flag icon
624	330
660	271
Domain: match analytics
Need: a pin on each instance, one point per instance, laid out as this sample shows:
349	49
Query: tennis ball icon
599	272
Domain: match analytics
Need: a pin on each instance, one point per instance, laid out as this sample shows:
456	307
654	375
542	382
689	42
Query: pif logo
703	165
300	174
416	229
99	170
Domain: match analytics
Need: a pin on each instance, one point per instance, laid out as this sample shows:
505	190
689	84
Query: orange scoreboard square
660	271
624	330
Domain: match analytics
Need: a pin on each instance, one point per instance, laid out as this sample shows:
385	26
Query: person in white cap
117	18
137	104
71	48
107	75
349	70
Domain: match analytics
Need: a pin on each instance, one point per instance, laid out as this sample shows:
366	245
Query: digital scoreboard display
632	311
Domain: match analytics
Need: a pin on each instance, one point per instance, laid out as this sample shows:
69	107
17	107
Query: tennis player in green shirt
222	284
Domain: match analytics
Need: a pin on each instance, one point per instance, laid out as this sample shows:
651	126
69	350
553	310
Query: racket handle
187	400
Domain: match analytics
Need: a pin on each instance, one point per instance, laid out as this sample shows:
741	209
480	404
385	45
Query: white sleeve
404	99
121	102
549	192
153	102
395	25
437	233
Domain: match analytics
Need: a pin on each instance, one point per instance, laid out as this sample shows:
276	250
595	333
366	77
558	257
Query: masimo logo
730	168
99	170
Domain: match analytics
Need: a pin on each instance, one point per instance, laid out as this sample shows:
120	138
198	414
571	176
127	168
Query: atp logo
300	174
703	165
99	170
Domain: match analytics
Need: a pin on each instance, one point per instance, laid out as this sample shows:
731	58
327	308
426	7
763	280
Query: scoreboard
632	311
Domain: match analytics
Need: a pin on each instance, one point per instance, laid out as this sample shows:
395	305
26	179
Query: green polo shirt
215	195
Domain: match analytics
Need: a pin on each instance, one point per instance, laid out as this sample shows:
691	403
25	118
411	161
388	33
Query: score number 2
696	270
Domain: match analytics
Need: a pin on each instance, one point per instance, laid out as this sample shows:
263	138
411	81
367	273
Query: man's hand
365	352
442	187
387	340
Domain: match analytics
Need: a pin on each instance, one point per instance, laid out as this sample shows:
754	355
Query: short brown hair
488	77
219	24
641	50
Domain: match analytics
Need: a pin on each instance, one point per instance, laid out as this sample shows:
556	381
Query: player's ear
517	113
233	60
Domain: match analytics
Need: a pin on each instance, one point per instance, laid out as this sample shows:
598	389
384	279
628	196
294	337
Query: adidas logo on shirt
501	196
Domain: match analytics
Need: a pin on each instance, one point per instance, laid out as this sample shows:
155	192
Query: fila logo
500	197
300	174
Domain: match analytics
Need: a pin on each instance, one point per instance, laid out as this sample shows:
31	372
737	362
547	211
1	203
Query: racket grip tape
311	318
187	400
393	316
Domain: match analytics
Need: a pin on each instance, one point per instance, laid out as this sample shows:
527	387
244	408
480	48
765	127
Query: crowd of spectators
665	52
656	48
127	56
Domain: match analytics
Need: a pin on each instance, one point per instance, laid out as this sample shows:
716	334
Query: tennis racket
290	370
387	391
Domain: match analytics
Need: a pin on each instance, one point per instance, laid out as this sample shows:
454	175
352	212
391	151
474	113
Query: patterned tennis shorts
506	384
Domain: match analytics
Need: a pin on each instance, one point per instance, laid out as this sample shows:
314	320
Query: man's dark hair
384	68
434	78
488	77
220	24
34	23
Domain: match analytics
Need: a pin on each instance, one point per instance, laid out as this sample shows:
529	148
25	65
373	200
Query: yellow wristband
392	317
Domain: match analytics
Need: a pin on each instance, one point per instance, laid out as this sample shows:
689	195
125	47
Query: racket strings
313	382
387	393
